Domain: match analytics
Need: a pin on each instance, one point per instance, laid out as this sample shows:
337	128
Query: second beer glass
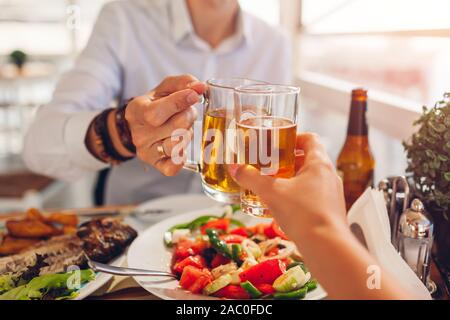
266	124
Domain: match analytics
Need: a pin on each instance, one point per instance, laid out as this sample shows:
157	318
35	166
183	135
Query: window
41	28
398	47
357	16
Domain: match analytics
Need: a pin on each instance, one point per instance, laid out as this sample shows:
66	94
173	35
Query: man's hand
153	118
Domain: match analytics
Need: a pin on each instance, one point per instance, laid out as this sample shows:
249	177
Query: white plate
173	205
148	252
100	280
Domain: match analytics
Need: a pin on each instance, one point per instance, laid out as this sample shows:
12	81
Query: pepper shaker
415	239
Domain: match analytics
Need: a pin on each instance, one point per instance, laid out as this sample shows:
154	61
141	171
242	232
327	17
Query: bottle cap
359	94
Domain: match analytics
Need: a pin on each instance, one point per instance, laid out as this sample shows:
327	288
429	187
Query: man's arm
55	142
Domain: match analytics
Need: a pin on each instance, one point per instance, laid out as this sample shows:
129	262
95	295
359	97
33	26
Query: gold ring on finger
160	148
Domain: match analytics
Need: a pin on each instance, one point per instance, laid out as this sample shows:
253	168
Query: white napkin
369	215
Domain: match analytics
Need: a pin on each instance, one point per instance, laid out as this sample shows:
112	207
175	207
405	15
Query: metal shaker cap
414	222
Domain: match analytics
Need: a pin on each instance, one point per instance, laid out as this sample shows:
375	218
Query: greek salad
220	256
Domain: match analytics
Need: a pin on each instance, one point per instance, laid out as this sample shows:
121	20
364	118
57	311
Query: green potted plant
428	154
18	58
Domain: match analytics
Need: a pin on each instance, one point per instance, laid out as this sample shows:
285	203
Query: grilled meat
101	239
106	238
50	256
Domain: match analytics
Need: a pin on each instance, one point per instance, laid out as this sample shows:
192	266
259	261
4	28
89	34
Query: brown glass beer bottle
356	163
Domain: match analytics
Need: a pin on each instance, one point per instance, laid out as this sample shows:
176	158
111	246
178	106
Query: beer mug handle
190	164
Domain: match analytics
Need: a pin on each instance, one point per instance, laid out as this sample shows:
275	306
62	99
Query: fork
122	271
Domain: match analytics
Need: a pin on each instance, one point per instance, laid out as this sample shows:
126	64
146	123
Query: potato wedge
30	229
34	214
69	230
66	219
11	245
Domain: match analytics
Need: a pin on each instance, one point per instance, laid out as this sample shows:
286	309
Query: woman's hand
154	117
310	208
313	199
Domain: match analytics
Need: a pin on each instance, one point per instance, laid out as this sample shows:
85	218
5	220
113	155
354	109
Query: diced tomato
219	260
189	275
233	291
232	238
198	246
195	261
195	279
274	230
264	272
183	249
186	248
200	284
265	288
219	224
241	231
258	228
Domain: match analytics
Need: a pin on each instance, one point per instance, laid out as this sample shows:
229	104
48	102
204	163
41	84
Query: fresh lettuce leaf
7	282
53	285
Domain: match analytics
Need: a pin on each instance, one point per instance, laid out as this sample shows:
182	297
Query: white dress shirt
133	46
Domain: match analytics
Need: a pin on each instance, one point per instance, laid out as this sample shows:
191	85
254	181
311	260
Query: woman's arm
311	210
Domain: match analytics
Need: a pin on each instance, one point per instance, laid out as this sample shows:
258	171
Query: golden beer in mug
217	144
266	135
213	165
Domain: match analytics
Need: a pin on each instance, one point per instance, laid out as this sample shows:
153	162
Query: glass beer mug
266	120
218	140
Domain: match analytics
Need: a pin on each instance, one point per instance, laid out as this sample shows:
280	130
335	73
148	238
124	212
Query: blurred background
398	49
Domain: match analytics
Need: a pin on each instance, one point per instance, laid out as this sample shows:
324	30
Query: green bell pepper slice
218	244
311	285
293	295
236	252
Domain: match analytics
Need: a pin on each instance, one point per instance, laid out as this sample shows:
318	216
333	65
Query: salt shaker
415	239
398	183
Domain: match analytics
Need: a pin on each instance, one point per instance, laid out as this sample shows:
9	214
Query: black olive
209	254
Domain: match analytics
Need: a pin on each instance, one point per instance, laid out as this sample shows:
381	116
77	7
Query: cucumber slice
298	263
251	289
217	284
235	279
293	279
179	234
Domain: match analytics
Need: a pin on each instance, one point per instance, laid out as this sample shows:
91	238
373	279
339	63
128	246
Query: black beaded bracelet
101	130
124	130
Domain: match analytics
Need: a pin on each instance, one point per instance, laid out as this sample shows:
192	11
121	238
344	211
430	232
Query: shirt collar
180	19
182	24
